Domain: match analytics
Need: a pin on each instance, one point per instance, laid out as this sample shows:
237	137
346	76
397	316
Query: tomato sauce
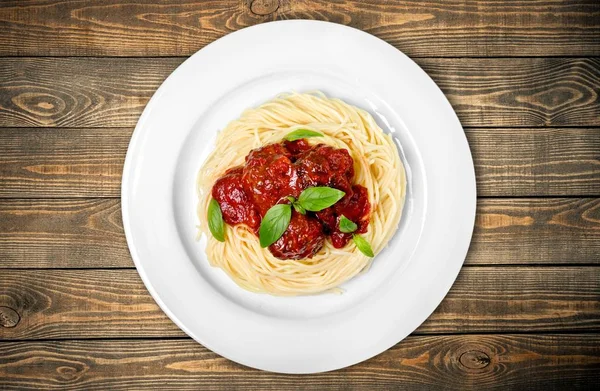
274	172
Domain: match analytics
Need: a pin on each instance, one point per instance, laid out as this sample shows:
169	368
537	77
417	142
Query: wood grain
53	162
71	304
62	162
111	92
519	162
419	28
84	92
82	233
544	362
520	92
524	79
536	231
81	304
62	233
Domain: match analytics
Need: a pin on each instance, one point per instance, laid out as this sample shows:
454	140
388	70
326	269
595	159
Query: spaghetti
377	167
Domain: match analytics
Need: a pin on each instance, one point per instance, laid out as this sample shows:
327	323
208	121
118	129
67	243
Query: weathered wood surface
536	231
549	362
111	92
524	79
51	162
65	304
62	233
420	28
88	233
536	162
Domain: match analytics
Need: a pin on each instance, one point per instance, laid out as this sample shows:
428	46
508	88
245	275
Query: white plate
311	333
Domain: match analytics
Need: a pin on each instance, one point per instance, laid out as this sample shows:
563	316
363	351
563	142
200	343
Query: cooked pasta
377	167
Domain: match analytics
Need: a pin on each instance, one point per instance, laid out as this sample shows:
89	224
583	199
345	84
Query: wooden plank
544	362
520	162
111	92
87	92
419	27
536	231
69	304
62	233
56	162
62	162
82	233
520	92
66	304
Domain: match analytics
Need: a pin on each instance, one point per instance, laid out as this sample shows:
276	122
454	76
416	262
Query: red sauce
276	171
236	205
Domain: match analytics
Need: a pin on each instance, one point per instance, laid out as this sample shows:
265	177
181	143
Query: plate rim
125	198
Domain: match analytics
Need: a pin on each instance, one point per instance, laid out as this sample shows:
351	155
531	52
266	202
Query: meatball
354	206
260	155
236	205
326	166
313	169
297	147
303	238
269	175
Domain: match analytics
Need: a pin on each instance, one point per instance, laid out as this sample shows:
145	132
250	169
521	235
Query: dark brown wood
548	362
82	233
418	27
523	299
61	233
65	304
88	162
524	79
9	317
520	92
111	92
517	162
81	303
62	162
536	231
84	92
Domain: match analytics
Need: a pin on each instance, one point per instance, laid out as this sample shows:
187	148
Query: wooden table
524	78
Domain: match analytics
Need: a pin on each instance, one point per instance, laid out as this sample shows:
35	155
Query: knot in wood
40	104
264	7
474	359
70	373
8	317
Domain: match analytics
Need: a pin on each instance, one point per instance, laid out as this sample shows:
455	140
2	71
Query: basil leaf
346	225
216	225
298	208
363	245
274	224
315	199
301	133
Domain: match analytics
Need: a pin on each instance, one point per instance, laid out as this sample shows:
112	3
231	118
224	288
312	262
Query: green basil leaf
363	245
274	224
346	225
301	133
216	225
299	208
315	199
